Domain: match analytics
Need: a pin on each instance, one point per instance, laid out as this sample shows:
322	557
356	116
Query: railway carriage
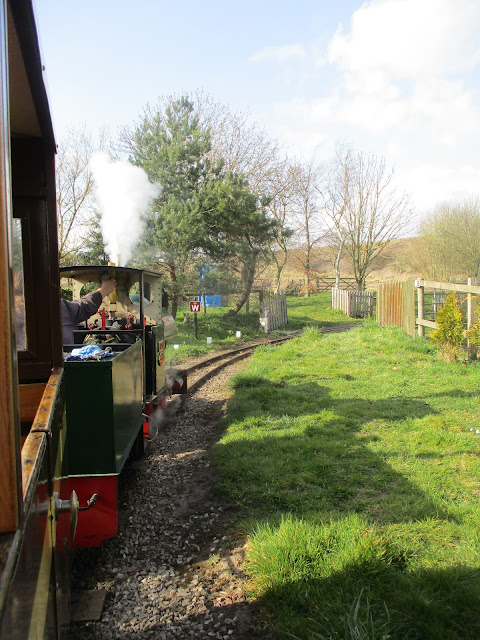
36	510
67	427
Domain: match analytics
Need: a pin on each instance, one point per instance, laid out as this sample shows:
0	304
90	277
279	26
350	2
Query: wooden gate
325	283
273	310
396	305
357	304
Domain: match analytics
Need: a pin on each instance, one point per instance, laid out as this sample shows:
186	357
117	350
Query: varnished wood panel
30	396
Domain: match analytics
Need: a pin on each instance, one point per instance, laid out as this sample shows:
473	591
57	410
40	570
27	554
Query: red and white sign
195	307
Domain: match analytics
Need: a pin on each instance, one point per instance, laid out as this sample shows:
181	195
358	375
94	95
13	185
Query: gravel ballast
175	568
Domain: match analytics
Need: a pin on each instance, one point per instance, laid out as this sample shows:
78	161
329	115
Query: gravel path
175	569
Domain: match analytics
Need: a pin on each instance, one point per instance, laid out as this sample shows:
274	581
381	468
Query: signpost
195	308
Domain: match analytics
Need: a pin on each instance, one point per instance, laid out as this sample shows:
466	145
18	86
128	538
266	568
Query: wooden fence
396	305
322	283
470	291
273	310
325	284
357	304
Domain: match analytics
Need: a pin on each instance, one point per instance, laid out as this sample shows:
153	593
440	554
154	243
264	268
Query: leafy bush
473	334
450	333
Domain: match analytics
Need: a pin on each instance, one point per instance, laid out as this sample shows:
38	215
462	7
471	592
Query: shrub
308	289
473	334
450	333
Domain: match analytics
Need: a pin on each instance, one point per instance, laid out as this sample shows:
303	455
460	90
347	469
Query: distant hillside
394	263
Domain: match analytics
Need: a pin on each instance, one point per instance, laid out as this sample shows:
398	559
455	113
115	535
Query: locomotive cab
124	318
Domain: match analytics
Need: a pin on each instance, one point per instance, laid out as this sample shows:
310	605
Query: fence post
421	305
471	312
470	281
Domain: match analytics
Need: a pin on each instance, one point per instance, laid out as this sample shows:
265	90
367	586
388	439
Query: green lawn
354	460
313	311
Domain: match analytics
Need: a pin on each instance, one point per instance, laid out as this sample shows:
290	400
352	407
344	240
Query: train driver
80	310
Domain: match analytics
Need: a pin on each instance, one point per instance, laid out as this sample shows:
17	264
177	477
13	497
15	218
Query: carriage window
19	289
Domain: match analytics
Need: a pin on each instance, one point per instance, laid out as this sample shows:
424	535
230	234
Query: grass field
313	311
354	460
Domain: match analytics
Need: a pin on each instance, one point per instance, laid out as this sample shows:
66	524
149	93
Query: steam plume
123	195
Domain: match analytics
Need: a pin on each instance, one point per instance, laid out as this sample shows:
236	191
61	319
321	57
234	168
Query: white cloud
433	184
401	90
409	38
281	53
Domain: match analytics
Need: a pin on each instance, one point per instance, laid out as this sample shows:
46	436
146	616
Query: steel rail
230	356
227	358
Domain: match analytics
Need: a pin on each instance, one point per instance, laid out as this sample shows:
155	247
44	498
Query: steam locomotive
113	395
68	427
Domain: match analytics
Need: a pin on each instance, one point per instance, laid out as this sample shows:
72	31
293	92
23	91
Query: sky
398	78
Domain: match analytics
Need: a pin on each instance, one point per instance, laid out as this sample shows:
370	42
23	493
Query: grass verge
354	460
314	311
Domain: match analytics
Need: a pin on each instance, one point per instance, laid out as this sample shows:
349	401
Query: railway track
201	371
175	570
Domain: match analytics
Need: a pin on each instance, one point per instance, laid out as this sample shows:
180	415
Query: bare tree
365	209
244	146
246	149
282	185
336	197
76	213
309	209
450	238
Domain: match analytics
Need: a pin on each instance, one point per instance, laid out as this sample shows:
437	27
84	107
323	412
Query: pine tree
173	150
95	251
238	230
201	210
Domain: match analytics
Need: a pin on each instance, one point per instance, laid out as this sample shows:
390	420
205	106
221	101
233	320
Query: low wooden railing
356	304
472	290
273	311
325	283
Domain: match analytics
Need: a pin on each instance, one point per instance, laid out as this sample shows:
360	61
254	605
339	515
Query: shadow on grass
320	463
291	397
318	471
374	599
